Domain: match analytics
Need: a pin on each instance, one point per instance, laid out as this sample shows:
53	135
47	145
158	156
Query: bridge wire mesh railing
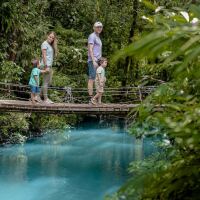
69	94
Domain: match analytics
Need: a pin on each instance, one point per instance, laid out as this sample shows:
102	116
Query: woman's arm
44	57
44	71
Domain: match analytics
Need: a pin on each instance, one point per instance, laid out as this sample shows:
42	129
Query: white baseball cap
97	24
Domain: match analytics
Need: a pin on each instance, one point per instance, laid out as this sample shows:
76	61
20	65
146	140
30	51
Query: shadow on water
82	163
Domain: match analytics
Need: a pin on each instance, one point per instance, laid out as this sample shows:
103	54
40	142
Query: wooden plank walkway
65	108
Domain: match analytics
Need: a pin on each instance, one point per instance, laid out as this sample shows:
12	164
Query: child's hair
35	62
101	60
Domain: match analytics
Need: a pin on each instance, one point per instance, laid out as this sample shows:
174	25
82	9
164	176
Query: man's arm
90	49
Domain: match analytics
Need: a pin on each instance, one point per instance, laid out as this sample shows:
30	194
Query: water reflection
83	163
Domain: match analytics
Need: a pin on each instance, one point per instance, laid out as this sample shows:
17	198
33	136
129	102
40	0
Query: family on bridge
96	67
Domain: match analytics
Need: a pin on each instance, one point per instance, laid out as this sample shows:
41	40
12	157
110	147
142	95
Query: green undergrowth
18	127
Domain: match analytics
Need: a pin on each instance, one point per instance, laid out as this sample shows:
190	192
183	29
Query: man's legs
92	76
90	87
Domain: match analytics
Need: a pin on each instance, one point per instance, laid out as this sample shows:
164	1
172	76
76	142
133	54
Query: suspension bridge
68	100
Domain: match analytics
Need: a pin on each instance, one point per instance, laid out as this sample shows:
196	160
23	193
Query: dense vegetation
160	44
170	44
23	27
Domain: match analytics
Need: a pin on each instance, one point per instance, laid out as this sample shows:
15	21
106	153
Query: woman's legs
47	78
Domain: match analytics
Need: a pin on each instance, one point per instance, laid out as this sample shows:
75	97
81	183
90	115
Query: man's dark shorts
91	70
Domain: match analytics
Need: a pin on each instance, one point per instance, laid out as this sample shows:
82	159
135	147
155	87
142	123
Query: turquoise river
83	163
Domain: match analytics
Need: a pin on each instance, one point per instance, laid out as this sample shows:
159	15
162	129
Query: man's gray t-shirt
49	53
95	40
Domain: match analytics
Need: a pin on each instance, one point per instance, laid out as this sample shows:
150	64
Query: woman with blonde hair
49	52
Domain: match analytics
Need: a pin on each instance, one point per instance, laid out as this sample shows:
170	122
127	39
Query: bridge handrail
122	89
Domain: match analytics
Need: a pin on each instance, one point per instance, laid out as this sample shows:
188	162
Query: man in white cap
94	54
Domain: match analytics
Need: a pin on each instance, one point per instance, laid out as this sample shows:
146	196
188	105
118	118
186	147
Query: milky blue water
79	164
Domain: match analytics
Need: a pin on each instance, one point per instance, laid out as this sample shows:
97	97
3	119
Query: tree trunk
130	39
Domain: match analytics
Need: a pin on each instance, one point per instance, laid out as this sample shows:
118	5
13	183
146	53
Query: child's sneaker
93	101
38	99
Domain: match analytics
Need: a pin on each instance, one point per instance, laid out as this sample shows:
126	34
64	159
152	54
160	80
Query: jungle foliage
23	27
172	111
